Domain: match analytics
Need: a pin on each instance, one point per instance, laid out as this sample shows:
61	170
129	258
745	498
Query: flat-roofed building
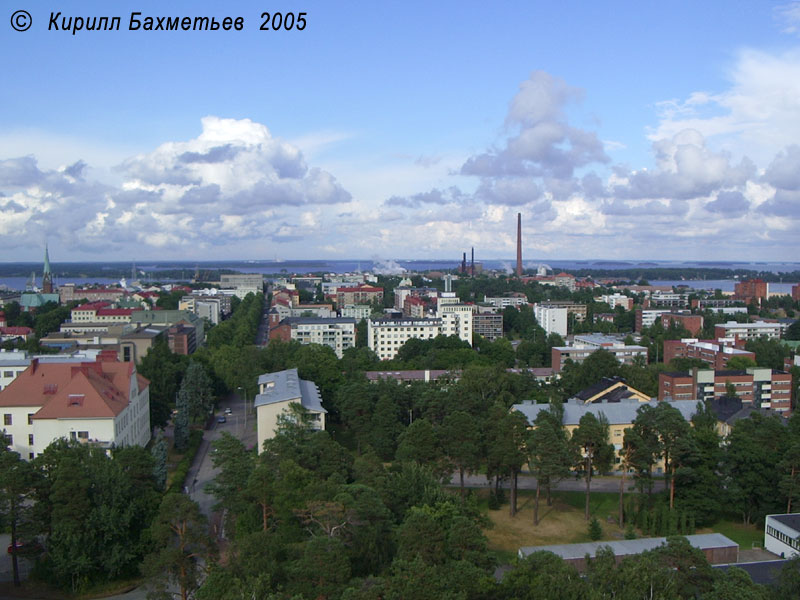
782	534
488	325
386	336
758	386
552	319
750	331
717	548
715	353
336	333
585	345
243	283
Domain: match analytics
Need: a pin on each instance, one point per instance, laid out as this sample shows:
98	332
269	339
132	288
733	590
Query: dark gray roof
790	520
288	387
627	547
763	573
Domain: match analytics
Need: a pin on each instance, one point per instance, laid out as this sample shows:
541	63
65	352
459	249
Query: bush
630	532
595	531
182	470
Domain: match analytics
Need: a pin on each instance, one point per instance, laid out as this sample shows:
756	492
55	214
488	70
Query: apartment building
551	319
584	345
386	336
757	386
750	331
104	402
715	353
615	300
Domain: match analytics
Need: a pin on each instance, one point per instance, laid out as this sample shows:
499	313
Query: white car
228	411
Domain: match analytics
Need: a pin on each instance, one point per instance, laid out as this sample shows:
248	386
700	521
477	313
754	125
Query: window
7	419
8	373
30	439
83	435
9	439
30	418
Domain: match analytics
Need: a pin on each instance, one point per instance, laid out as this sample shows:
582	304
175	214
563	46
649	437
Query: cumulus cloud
228	183
686	168
542	142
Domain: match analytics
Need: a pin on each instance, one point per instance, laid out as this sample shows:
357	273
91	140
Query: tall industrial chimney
519	244
472	267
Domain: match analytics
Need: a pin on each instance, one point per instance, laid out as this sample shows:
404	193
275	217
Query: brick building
714	353
757	386
692	323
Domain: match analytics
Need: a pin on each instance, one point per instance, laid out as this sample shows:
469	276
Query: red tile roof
16	330
114	312
73	390
96	305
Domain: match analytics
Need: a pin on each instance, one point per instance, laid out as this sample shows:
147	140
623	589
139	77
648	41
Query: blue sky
405	130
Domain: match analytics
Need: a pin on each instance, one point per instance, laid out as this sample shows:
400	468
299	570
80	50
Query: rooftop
286	386
627	547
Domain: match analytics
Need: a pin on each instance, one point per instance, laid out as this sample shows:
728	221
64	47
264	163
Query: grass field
747	536
561	523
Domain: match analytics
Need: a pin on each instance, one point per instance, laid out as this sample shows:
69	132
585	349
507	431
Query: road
528	482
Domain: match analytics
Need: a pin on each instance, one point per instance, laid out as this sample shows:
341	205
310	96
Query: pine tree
595	531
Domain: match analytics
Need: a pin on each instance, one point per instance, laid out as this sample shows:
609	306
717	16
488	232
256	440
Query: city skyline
413	131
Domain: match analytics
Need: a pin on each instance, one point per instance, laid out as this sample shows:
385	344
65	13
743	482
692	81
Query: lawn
747	536
561	523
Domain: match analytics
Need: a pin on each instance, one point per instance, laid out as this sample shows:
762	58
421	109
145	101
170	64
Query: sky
403	130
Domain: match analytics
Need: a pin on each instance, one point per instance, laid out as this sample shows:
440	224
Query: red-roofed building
414	307
104	402
15	333
2	319
362	294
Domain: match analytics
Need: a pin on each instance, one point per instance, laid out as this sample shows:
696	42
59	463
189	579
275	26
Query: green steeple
46	261
47	276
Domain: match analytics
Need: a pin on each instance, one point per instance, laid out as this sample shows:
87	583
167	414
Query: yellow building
276	393
620	416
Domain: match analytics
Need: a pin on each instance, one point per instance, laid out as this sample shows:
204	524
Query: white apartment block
615	300
337	333
456	317
505	301
551	319
782	535
385	336
750	331
356	311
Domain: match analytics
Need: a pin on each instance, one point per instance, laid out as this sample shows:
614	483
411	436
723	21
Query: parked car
228	411
24	547
221	419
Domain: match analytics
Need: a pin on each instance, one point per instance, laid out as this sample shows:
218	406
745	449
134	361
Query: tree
642	447
550	454
672	429
739	363
181	422
459	438
182	548
595	453
506	448
159	452
196	386
16	485
753	443
419	443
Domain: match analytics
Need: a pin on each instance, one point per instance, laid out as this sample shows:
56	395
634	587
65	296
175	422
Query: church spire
47	276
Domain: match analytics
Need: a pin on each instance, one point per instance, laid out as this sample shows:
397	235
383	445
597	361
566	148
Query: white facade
243	284
552	320
751	331
456	317
29	433
504	301
12	363
356	311
339	334
385	336
614	300
781	533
